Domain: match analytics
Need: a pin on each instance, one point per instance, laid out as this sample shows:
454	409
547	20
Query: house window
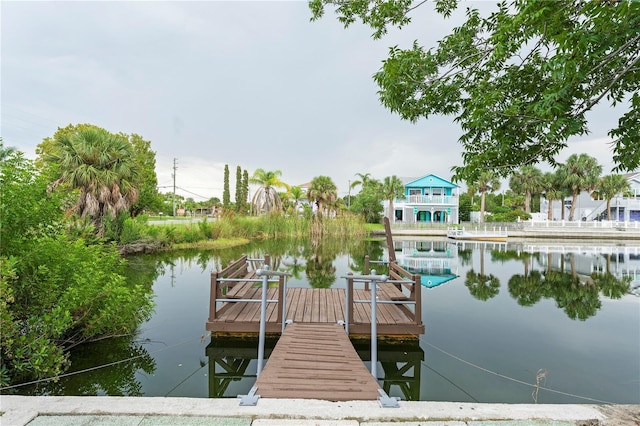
436	191
398	215
415	191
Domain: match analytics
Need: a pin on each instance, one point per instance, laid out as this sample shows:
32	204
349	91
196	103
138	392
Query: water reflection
434	261
320	270
232	365
574	280
108	368
401	367
564	309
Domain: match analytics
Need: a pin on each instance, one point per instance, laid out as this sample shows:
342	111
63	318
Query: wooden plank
316	361
362	311
238	289
300	306
389	291
322	308
293	294
314	305
338	299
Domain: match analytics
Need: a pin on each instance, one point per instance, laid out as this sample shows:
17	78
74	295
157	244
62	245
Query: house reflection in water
435	261
232	366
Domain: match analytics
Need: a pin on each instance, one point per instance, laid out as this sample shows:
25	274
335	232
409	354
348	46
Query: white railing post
263	316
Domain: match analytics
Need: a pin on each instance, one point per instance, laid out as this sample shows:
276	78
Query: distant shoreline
537	232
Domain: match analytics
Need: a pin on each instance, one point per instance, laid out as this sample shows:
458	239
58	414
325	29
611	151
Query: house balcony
417	200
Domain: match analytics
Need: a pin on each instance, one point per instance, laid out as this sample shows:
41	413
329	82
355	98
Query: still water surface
500	319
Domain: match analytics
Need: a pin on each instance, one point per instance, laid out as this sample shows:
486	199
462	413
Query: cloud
253	84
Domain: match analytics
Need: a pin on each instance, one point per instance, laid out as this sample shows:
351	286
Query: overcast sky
253	84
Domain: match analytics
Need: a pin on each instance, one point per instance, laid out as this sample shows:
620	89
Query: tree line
580	172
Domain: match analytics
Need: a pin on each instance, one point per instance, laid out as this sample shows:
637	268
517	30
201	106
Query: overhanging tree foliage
56	291
519	81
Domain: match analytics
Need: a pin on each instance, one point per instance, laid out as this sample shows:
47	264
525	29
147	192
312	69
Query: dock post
374	327
263	316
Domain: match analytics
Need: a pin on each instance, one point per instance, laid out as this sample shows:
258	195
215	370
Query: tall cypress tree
238	189
245	191
226	196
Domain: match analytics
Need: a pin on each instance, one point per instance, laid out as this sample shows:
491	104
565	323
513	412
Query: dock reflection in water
232	366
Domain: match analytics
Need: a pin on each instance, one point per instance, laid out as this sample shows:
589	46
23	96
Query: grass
237	230
220	243
161	218
370	227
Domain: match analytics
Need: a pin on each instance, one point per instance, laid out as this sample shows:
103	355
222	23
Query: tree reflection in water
480	285
124	357
576	294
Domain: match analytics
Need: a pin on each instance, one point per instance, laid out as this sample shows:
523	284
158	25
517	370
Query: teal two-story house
426	199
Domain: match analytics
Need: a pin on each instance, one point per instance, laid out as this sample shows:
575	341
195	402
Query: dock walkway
316	361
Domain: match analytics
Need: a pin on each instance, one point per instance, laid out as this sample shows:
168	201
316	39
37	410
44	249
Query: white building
623	208
426	199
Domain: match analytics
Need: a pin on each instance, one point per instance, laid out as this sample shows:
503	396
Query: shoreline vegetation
139	236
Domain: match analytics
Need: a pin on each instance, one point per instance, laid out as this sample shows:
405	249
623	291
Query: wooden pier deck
308	305
314	357
316	361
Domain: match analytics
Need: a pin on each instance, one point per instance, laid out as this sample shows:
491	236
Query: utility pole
174	186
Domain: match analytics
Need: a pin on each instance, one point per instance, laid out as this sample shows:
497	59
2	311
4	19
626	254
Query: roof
430	180
632	176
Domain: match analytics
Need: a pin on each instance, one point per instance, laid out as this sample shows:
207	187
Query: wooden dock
314	357
316	361
235	304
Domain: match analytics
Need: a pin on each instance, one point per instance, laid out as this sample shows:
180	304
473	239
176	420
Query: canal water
505	323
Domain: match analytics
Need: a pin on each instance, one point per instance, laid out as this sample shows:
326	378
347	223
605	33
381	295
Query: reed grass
244	227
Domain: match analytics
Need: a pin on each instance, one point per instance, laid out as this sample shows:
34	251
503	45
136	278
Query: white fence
605	224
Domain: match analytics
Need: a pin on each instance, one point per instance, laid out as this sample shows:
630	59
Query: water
499	321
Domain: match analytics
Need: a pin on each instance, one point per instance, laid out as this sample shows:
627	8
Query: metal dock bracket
251	399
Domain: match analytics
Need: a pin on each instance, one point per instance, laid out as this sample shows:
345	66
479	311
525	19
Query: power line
98	367
193	193
511	378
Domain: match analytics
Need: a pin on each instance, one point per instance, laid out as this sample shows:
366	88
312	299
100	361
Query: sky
253	84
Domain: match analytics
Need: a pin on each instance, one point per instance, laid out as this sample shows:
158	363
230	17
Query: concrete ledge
20	410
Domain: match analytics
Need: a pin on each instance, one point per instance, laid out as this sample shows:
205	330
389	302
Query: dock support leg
374	328
250	399
263	320
386	401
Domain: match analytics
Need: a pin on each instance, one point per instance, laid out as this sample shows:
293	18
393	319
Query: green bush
56	290
509	216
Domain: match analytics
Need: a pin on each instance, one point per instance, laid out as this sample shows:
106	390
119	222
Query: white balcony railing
427	199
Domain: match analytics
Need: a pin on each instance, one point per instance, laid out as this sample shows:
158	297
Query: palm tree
552	191
266	198
323	192
363	181
610	186
486	181
6	152
101	166
392	188
581	173
528	180
296	194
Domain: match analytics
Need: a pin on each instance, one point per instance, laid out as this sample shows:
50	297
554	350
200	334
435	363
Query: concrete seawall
536	232
107	410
